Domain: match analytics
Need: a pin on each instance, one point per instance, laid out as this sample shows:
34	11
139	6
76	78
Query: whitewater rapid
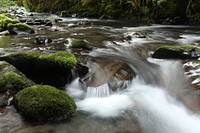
153	105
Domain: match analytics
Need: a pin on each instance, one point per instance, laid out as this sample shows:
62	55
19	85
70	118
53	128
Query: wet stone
42	40
49	24
3	100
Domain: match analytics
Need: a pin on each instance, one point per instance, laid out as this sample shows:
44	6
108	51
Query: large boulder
44	103
177	52
53	68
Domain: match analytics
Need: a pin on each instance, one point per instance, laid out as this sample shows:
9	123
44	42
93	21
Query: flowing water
125	91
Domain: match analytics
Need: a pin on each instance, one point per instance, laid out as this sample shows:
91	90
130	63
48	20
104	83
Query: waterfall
100	91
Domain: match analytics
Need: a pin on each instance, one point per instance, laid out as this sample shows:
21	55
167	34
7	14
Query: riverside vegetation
180	11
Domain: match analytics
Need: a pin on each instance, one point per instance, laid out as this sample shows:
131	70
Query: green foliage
43	103
7	3
156	9
13	81
25	3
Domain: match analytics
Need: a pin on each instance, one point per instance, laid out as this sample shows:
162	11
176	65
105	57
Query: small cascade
100	91
74	74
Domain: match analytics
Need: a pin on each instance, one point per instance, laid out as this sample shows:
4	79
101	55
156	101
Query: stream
125	91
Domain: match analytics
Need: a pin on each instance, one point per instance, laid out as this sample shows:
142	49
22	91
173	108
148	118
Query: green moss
43	103
180	47
5	21
5	33
13	81
61	58
19	25
80	43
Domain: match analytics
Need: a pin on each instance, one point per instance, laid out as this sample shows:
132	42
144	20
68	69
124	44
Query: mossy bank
178	10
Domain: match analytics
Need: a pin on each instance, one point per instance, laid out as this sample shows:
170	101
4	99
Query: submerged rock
44	103
177	52
80	43
3	100
53	69
42	40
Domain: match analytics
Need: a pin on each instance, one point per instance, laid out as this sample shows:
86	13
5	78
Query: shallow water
126	91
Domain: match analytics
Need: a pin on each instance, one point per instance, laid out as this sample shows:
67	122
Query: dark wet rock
53	69
40	21
36	23
131	35
30	14
177	52
3	100
73	25
81	70
42	40
22	20
20	28
192	72
29	22
58	20
49	24
139	35
172	21
65	14
44	103
80	43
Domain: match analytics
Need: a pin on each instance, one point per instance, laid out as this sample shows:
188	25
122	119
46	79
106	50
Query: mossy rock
44	103
5	20
14	26
20	28
177	52
52	69
80	43
5	33
13	81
